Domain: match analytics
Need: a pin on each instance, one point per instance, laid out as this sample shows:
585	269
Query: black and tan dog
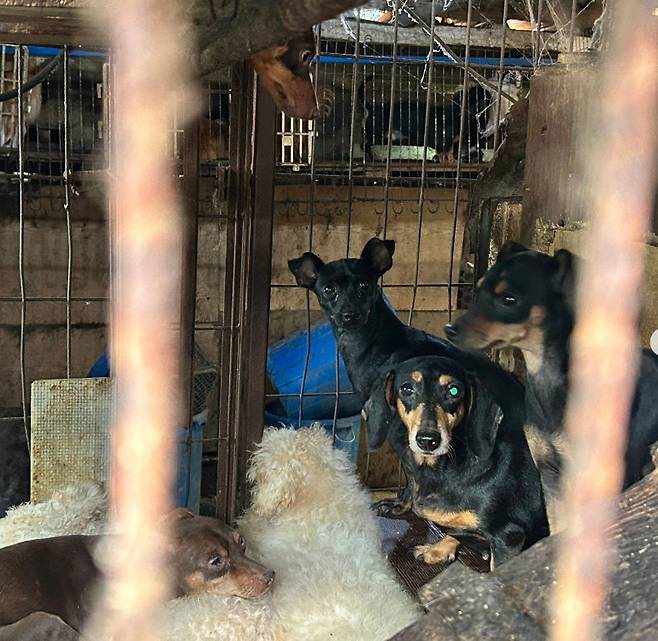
371	337
52	583
472	472
526	300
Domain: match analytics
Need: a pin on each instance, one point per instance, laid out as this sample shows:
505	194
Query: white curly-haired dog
310	521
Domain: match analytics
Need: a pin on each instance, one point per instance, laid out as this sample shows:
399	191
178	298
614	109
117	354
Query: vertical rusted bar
239	167
620	171
572	25
460	147
391	105
423	168
537	52
189	241
20	119
315	78
501	73
67	208
258	277
145	340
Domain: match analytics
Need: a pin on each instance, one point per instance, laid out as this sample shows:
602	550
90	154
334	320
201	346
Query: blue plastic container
347	430
190	450
285	368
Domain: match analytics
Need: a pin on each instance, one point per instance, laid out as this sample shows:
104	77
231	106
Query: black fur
482	466
536	280
371	338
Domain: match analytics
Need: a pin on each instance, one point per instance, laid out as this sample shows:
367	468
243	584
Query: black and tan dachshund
526	300
371	337
471	469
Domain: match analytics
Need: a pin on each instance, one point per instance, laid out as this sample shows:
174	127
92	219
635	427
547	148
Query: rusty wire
621	177
145	341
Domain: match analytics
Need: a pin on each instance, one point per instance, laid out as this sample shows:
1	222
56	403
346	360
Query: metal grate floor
401	535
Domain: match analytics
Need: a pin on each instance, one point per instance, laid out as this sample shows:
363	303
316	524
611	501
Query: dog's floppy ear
379	255
306	269
484	418
378	411
564	279
510	247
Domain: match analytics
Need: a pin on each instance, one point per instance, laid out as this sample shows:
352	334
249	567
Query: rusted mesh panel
70	433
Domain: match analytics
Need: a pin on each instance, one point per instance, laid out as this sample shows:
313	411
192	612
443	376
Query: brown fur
293	95
444	551
413	418
465	520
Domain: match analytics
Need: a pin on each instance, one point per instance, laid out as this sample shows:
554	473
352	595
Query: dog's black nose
428	441
351	317
451	331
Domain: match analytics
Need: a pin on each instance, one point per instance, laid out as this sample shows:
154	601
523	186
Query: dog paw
391	507
445	551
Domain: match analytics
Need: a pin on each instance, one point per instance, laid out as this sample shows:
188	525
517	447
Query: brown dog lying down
50	584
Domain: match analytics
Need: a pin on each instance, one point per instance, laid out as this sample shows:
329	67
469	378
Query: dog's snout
351	317
428	441
452	332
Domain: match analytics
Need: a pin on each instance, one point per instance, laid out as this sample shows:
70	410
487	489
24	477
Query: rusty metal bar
460	147
20	119
423	168
189	241
501	72
239	139
537	52
312	201
572	25
258	275
67	208
620	169
391	105
145	341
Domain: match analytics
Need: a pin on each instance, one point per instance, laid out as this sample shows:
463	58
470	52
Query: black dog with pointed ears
371	337
526	300
471	468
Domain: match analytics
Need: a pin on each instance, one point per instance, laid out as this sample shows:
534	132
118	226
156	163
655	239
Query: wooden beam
489	37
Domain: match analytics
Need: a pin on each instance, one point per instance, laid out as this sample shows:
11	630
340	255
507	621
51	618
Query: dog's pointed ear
564	278
378	411
306	269
510	247
379	255
484	418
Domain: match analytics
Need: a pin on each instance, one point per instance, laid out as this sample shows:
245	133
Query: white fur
310	521
79	509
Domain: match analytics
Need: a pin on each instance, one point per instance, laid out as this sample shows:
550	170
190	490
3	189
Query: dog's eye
509	300
364	284
406	389
217	562
306	56
243	544
454	391
329	291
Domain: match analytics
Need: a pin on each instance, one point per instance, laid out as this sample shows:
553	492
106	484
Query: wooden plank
557	111
480	37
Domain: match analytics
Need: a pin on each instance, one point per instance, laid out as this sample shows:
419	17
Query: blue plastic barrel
285	367
347	430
